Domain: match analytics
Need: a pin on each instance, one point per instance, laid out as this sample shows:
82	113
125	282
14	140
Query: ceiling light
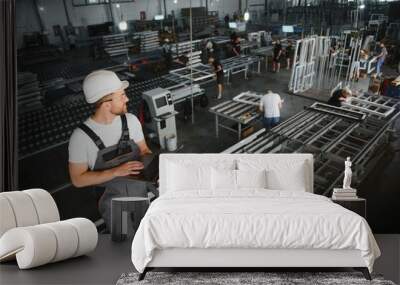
123	25
117	5
246	16
361	6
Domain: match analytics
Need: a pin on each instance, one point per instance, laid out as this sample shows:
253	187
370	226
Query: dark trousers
269	123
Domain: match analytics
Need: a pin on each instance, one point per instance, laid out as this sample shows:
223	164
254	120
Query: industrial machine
261	37
181	92
162	111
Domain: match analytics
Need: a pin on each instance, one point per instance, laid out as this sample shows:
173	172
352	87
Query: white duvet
250	219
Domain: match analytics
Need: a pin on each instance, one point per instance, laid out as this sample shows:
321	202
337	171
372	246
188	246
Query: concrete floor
109	260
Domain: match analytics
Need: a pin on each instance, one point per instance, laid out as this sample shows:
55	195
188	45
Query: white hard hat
348	91
101	83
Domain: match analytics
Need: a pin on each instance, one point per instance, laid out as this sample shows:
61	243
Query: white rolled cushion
23	208
223	179
33	246
46	208
185	177
7	218
67	240
251	178
87	235
37	245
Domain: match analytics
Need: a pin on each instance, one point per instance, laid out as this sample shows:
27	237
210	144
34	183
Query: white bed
200	223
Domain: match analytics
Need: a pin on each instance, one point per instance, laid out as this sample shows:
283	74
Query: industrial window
97	2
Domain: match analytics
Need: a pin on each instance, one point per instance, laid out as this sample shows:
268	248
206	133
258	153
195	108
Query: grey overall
109	157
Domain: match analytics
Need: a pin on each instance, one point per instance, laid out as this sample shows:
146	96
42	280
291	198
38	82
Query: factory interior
306	51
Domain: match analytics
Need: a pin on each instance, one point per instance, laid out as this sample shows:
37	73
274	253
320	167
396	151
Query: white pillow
283	173
251	178
184	177
292	179
223	179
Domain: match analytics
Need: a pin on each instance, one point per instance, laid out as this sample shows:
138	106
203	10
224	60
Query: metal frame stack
304	63
115	45
149	41
330	135
315	65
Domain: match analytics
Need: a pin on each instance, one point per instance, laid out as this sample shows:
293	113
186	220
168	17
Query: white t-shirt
81	147
270	104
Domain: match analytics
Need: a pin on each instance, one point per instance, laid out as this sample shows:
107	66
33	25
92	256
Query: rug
243	278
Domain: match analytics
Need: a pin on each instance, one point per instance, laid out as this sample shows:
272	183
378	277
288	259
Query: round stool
126	214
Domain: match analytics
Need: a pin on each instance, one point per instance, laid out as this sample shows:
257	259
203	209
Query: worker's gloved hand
128	168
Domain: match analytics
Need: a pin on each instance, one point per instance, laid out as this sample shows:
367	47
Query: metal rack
149	41
202	73
115	45
52	126
330	135
241	63
240	113
184	48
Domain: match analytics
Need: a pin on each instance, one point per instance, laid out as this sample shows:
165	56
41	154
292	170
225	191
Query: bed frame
246	258
242	259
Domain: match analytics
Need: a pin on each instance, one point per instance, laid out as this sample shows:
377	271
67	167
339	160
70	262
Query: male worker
289	54
105	149
276	61
167	53
271	103
235	42
219	73
381	58
339	96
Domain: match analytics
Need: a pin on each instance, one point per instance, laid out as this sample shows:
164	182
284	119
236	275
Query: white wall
53	12
223	7
87	15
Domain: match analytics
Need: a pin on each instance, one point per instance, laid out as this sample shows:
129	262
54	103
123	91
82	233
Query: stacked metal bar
29	92
331	135
184	48
115	45
149	41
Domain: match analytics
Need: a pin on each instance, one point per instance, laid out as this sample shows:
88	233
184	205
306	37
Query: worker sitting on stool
339	96
271	104
219	73
106	148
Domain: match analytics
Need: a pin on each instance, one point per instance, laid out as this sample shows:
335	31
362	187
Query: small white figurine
347	174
